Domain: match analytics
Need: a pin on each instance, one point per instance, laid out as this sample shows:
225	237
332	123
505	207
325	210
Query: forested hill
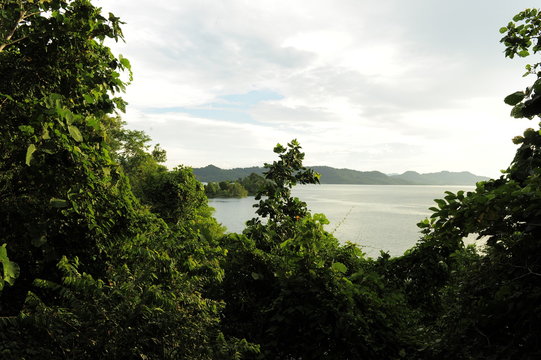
331	175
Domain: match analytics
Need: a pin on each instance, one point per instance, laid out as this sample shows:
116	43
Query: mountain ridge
330	175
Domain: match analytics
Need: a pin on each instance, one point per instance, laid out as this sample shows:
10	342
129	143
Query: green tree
290	287
57	89
486	305
100	275
225	189
253	183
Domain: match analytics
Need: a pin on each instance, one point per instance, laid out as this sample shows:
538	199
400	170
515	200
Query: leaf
58	203
125	62
256	276
338	266
29	152
523	53
10	269
537	86
45	135
89	99
441	203
516	112
75	133
7	96
503	29
514	98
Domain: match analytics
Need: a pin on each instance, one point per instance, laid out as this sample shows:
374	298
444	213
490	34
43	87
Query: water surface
376	217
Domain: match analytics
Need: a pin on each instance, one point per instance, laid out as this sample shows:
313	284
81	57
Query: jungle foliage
242	187
225	189
108	254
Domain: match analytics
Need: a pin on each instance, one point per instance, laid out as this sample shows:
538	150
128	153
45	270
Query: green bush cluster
225	189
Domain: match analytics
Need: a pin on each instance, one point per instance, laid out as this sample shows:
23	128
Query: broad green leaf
441	203
93	122
125	62
75	133
516	112
338	266
523	53
27	129
10	269
88	98
29	152
45	134
503	29
514	98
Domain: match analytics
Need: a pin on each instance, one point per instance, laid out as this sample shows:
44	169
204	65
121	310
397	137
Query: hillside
441	178
330	175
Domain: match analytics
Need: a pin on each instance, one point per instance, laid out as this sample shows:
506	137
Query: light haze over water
376	217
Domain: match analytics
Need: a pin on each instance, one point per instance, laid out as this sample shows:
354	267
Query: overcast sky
387	85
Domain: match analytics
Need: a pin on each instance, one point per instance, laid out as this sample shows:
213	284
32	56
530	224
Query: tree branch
22	16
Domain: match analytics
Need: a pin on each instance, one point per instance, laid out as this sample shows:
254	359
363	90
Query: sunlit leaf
338	266
29	152
75	133
58	203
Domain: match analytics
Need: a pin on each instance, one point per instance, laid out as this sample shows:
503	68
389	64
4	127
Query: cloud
387	85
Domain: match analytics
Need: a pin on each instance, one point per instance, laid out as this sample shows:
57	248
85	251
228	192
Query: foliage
484	304
521	38
108	254
57	89
247	186
10	270
100	275
290	287
279	206
131	149
225	189
253	183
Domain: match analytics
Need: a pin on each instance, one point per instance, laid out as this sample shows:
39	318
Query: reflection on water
377	217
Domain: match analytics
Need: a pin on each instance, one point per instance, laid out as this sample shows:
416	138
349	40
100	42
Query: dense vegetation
107	254
249	185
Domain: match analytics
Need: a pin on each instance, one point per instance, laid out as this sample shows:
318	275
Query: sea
375	217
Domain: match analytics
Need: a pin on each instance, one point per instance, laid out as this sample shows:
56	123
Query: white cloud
389	86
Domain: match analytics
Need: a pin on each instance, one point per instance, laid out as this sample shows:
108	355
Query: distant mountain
330	175
213	173
441	178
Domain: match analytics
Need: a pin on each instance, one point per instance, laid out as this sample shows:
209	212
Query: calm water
377	217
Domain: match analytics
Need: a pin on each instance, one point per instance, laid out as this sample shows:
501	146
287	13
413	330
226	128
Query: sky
388	85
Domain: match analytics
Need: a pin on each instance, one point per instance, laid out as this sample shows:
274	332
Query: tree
253	183
486	304
290	287
225	189
100	275
57	91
